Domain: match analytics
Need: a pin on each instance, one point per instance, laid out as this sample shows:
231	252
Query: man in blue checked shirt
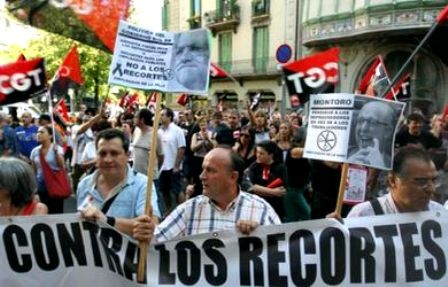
222	206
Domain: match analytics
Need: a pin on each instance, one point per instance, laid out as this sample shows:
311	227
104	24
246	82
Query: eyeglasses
423	182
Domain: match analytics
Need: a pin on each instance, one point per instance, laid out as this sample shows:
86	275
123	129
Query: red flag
128	102
71	68
443	15
315	74
20	81
151	102
61	109
113	11
217	72
69	73
401	90
183	99
375	80
97	19
365	82
21	58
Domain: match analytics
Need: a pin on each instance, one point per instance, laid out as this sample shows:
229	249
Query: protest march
210	151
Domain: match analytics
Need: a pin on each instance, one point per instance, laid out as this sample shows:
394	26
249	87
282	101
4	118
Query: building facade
245	38
363	29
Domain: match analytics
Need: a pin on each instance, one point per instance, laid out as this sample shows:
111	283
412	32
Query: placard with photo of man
353	129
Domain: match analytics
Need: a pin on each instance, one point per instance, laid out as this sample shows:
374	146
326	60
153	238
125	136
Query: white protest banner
62	250
391	250
164	61
353	129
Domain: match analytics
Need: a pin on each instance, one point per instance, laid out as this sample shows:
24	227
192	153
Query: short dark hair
407	153
416	117
45	117
109	134
237	164
169	113
18	180
147	116
271	148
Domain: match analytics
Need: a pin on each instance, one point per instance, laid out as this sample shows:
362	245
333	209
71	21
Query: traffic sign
284	53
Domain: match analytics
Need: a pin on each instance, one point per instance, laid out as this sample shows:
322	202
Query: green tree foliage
53	48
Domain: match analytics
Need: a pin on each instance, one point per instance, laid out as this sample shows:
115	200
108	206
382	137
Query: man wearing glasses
374	131
412	183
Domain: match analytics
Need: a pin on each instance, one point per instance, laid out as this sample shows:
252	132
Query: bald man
222	206
374	133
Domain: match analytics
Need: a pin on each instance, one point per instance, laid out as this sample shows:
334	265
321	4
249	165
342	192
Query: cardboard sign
164	61
353	129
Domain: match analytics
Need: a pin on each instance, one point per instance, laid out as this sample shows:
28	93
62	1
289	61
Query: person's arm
58	157
251	115
266	191
179	157
125	225
40	209
194	143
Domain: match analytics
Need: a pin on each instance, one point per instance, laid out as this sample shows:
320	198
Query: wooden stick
148	210
342	186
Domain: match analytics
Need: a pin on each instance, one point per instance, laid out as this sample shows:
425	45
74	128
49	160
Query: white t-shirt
49	158
172	139
142	147
387	204
89	152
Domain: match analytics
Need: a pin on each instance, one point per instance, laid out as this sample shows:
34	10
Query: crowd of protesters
270	145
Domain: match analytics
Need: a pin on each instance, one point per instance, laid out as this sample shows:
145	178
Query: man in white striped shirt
222	206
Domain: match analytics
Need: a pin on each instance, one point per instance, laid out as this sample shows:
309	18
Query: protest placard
164	61
352	129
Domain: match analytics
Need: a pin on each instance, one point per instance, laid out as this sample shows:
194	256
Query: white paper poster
352	128
164	61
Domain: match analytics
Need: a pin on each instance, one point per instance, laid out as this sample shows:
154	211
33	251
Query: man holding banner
114	193
222	206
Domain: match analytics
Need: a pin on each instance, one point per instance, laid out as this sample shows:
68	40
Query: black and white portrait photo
190	63
372	132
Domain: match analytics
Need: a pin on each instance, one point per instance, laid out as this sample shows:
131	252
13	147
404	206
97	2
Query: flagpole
50	111
150	177
441	18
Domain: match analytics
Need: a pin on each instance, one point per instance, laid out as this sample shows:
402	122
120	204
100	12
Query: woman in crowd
53	155
17	189
296	205
245	146
259	123
201	144
268	176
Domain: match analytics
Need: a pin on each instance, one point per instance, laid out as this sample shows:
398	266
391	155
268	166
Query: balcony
194	22
361	19
261	67
260	12
228	18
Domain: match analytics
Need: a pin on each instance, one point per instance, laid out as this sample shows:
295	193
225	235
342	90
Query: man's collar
229	206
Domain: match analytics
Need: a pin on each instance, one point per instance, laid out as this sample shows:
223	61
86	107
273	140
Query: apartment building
245	38
364	29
